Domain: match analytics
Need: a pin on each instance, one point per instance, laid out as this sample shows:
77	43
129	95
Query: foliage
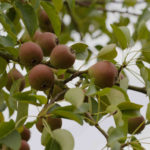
87	102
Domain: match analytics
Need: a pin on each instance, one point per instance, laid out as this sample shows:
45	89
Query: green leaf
4	6
64	138
53	145
122	35
53	16
117	115
41	99
28	16
148	112
80	50
108	52
8	26
129	106
6	128
3	64
45	137
3	80
68	115
22	113
58	4
13	140
75	96
7	41
71	4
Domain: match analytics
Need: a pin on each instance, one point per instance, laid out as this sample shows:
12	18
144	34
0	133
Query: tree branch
87	4
97	125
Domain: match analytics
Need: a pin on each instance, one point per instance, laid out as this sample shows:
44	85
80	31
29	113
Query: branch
97	125
87	4
76	74
138	89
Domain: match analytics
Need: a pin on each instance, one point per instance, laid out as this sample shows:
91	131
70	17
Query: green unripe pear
62	57
47	41
12	76
30	54
54	123
24	145
41	77
25	134
104	73
136	123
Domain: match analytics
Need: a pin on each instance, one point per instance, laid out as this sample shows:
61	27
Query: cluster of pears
31	55
25	136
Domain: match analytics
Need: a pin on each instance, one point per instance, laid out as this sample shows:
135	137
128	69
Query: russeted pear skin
24	145
134	123
54	123
14	75
47	41
104	73
25	134
62	57
41	77
30	54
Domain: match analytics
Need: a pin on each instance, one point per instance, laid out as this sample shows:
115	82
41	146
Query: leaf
3	80
148	112
22	113
68	115
80	50
3	64
53	16
45	137
122	35
53	145
108	52
28	16
4	6
58	4
7	41
13	140
41	99
71	4
75	96
64	138
129	106
6	128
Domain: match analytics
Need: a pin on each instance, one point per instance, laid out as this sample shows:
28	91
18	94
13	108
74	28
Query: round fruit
47	42
24	145
62	57
136	124
25	134
36	35
104	73
41	77
30	54
54	123
44	22
12	76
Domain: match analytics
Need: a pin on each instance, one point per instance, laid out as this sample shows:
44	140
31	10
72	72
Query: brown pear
30	54
136	124
62	56
44	22
47	42
24	145
104	73
54	123
12	76
41	77
36	35
25	134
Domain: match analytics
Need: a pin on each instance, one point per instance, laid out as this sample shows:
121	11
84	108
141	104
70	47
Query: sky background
87	137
